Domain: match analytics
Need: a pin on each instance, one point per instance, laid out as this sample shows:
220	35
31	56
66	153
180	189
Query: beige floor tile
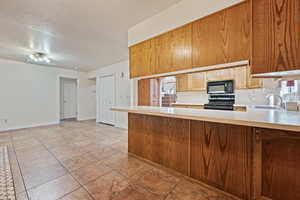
79	161
97	157
127	165
38	176
107	186
54	189
189	191
90	173
157	181
80	194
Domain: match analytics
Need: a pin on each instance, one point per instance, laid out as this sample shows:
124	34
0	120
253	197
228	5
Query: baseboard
120	125
29	126
86	119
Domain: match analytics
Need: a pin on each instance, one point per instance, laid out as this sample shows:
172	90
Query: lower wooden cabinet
161	140
277	156
248	162
221	156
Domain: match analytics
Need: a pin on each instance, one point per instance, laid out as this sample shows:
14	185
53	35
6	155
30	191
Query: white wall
29	95
122	88
177	15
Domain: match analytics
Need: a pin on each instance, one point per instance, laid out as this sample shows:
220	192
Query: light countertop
263	118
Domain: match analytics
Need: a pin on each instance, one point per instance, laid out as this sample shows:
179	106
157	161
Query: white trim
29	126
103	75
121	125
86	119
60	77
199	69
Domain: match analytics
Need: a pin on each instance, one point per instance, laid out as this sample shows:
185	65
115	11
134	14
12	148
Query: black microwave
220	87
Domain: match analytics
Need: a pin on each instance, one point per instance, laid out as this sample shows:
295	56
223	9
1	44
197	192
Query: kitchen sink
267	107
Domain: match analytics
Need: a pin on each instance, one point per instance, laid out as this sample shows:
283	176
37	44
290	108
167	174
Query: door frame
60	78
98	92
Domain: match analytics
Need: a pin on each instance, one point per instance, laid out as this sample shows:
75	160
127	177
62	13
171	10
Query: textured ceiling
87	34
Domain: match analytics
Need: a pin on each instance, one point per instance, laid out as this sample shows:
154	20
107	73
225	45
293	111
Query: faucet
275	100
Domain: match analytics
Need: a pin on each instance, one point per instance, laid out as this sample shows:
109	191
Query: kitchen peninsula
247	154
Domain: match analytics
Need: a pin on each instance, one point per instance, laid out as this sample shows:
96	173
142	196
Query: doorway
68	99
106	99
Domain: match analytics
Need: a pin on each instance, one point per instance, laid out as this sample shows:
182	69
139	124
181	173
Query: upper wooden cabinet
181	48
142	59
191	82
276	35
219	38
223	37
197	81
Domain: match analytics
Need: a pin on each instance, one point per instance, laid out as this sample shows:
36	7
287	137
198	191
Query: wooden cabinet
248	162
277	158
197	81
216	39
191	82
276	35
221	156
181	48
163	53
142	59
161	140
149	92
182	84
225	37
222	37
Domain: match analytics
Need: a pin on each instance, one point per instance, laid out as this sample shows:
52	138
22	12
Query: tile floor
89	161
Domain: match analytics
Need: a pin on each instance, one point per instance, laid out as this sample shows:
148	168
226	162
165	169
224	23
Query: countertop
262	118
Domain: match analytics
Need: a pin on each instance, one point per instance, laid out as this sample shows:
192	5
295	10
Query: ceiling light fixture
39	58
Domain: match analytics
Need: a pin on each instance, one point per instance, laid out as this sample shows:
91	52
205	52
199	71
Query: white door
106	99
69	99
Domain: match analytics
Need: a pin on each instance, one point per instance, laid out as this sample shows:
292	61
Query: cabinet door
143	59
182	83
220	75
240	77
154	92
144	93
197	81
222	37
163	53
276	35
191	82
182	48
278	157
221	156
135	61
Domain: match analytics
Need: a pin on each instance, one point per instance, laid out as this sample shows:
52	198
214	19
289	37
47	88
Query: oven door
220	87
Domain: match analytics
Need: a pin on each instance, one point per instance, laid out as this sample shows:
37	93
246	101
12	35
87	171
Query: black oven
220	87
221	95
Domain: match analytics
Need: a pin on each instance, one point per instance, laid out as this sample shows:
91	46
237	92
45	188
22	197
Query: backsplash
243	97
